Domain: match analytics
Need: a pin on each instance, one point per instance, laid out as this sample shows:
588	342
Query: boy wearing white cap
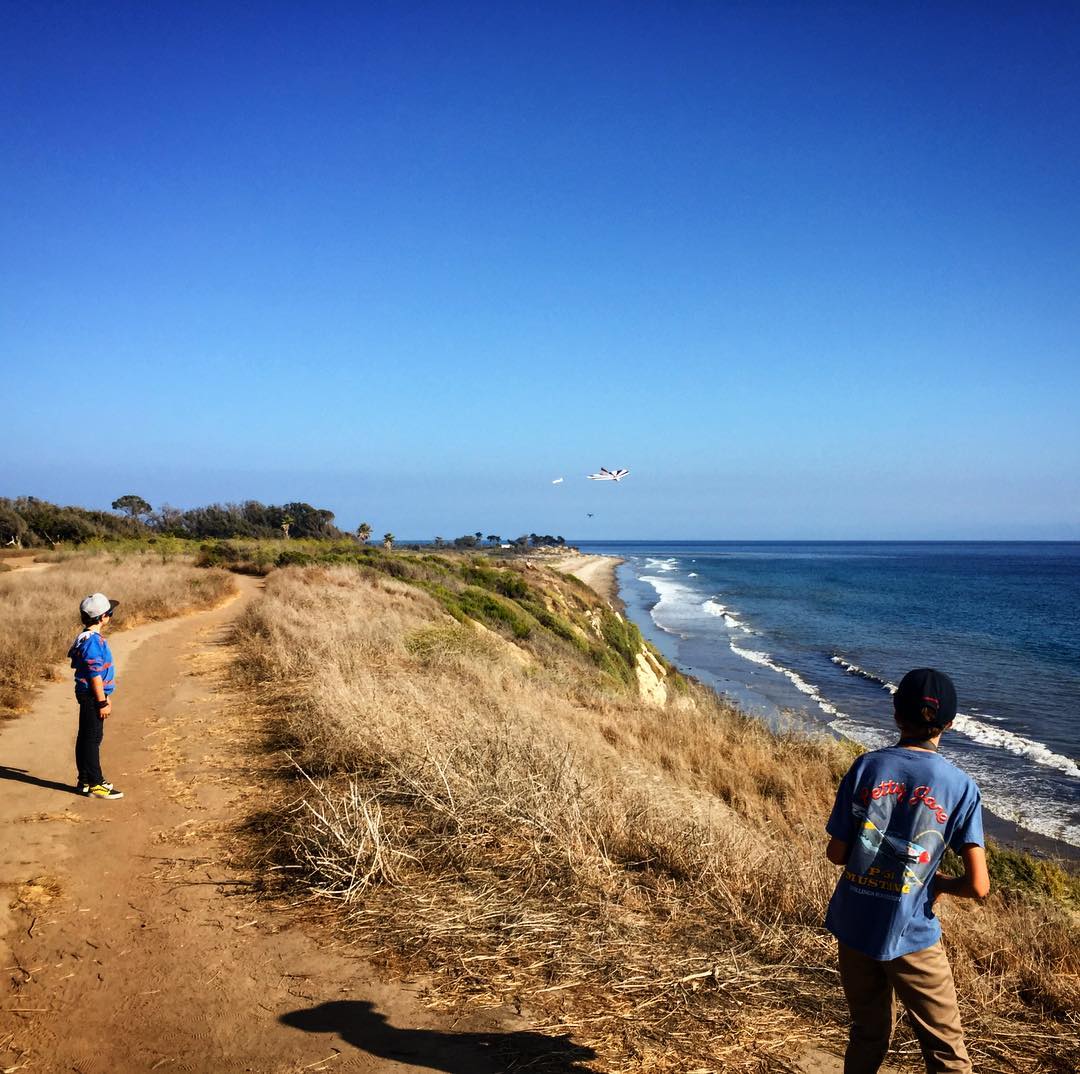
95	680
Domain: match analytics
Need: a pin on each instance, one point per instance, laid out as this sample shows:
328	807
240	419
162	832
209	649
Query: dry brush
510	818
41	609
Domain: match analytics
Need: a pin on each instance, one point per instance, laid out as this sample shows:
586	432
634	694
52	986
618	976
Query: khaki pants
924	984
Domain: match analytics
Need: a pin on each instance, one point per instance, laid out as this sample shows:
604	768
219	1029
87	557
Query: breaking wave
862	673
800	684
999	738
666	566
714	608
978	731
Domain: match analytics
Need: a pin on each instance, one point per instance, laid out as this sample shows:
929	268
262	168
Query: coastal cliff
512	793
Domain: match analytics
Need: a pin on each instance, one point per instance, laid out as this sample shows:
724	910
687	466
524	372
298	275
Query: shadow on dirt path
357	1022
21	775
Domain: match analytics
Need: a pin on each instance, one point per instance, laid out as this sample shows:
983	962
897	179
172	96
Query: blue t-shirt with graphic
90	655
897	809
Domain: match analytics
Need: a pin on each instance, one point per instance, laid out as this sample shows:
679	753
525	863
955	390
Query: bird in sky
608	475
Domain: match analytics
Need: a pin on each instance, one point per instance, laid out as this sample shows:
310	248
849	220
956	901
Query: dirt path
133	945
23	565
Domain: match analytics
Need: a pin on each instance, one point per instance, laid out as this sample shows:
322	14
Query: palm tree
388	541
286	525
363	532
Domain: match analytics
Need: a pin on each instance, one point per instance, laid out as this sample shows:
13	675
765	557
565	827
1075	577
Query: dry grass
41	610
651	881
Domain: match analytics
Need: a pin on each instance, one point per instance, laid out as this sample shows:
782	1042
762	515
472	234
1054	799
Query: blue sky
808	270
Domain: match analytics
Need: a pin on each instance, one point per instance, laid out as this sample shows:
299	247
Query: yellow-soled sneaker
105	790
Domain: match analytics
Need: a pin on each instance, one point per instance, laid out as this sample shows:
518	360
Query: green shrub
218	554
480	604
558	626
1015	871
508	583
1020	875
622	635
609	663
295	557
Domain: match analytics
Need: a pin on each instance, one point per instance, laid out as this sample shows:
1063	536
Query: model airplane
608	475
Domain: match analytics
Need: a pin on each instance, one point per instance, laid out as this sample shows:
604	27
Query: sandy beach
597	572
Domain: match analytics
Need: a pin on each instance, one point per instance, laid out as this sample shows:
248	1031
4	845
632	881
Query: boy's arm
837	851
94	663
974	884
840	827
98	689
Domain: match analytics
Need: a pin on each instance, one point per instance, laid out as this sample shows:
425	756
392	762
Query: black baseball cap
925	696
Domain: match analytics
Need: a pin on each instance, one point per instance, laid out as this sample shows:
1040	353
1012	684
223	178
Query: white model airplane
608	475
557	481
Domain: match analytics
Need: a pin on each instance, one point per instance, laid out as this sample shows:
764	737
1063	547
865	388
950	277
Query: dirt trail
133	945
23	565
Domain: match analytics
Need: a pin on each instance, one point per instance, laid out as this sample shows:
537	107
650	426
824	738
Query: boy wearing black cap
896	811
95	680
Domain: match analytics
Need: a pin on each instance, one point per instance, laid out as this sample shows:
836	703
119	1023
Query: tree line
29	522
476	540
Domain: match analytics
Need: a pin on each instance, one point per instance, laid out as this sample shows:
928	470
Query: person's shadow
359	1024
21	775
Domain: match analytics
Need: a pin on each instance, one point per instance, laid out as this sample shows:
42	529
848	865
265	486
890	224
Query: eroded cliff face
650	676
650	673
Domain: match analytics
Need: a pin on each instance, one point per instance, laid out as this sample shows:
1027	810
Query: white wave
854	669
793	677
719	611
676	609
999	738
975	728
664	565
1018	810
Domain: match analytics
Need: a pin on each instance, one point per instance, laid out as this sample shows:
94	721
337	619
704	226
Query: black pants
88	744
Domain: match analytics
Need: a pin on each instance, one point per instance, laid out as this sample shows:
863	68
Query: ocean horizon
819	632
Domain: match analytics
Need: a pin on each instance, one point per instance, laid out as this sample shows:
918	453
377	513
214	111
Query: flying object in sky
588	514
608	475
557	481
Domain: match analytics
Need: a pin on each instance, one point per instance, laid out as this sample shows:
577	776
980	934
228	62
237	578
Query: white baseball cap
96	605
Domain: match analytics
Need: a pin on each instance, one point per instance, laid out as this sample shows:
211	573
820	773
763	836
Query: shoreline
598	572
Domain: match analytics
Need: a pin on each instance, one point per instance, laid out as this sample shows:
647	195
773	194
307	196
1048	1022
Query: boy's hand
105	710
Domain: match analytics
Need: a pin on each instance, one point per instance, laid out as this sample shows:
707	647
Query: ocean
822	632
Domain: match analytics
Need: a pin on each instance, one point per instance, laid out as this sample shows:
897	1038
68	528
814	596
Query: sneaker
84	788
105	790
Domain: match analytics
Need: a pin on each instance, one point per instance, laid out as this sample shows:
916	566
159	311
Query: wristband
102	704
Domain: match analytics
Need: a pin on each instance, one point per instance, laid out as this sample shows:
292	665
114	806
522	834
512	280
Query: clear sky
808	270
